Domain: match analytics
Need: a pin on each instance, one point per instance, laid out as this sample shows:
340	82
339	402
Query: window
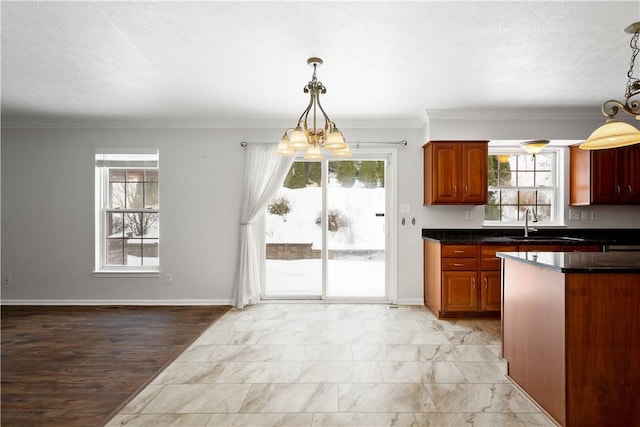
519	181
127	212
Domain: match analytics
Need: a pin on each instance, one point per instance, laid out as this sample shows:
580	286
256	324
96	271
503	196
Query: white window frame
557	212
133	158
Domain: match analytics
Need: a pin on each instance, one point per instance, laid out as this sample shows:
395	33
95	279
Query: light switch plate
405	208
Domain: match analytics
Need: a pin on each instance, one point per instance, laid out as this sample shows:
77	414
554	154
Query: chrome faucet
526	221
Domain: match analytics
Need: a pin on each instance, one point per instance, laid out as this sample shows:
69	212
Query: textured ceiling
244	63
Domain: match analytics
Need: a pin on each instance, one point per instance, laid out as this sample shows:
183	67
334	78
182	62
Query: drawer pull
458	252
459	265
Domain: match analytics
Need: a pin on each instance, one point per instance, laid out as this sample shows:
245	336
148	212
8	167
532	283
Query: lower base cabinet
464	280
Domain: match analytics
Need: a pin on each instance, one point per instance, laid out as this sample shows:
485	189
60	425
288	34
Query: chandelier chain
633	84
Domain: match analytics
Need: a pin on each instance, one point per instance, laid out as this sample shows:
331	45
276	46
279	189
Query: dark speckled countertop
564	236
580	262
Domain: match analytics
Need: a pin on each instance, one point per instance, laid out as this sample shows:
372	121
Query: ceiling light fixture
307	135
614	133
535	146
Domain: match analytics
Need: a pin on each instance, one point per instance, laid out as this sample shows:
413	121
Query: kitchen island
571	334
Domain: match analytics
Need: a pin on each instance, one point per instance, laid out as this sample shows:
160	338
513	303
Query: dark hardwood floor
78	365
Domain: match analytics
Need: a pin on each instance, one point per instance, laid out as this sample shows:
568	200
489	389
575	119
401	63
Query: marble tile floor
316	364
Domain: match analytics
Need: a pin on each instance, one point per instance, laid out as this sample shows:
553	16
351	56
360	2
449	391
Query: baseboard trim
113	302
410	301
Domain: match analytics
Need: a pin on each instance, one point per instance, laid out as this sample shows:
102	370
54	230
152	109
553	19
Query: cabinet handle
458	252
473	284
629	188
455	190
458	265
466	190
617	190
485	284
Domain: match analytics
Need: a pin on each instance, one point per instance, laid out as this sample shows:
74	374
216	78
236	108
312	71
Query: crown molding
74	123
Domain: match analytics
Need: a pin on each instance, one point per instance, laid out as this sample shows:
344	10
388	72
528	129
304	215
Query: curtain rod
357	144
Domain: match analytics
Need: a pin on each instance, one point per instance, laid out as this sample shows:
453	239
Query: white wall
48	199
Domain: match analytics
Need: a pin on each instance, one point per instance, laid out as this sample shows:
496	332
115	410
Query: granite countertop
579	262
514	236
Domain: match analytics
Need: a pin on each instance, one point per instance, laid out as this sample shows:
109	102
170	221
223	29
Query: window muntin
518	181
128	217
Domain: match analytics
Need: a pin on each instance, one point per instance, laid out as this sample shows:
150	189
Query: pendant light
614	133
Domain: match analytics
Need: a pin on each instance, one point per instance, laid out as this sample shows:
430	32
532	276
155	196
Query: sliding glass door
326	231
355	231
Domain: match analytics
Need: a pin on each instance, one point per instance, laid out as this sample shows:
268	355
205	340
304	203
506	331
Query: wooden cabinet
490	291
465	281
455	172
605	177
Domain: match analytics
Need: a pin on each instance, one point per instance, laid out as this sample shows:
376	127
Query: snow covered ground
360	229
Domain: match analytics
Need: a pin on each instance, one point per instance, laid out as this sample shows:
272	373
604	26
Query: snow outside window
127	211
519	181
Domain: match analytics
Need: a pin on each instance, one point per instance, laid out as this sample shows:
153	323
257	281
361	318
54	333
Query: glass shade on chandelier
614	134
306	136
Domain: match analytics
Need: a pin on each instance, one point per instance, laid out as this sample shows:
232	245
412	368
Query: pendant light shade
611	135
534	147
335	141
313	153
298	139
342	152
284	149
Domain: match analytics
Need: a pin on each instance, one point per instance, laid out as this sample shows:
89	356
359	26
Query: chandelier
307	135
614	133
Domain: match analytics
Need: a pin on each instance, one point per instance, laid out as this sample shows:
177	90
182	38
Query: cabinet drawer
488	259
460	251
466	264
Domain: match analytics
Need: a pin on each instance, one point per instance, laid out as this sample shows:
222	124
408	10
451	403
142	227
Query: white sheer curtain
263	175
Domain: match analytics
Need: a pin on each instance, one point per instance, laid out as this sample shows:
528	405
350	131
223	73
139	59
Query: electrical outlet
468	215
168	279
594	215
584	215
574	214
6	278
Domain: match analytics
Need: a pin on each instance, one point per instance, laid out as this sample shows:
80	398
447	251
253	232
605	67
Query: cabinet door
631	188
474	173
605	188
459	291
446	179
490	291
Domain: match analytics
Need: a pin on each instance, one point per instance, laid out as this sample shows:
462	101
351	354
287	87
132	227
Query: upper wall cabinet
604	177
455	172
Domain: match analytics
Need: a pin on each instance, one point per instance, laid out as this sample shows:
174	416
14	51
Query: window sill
127	273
